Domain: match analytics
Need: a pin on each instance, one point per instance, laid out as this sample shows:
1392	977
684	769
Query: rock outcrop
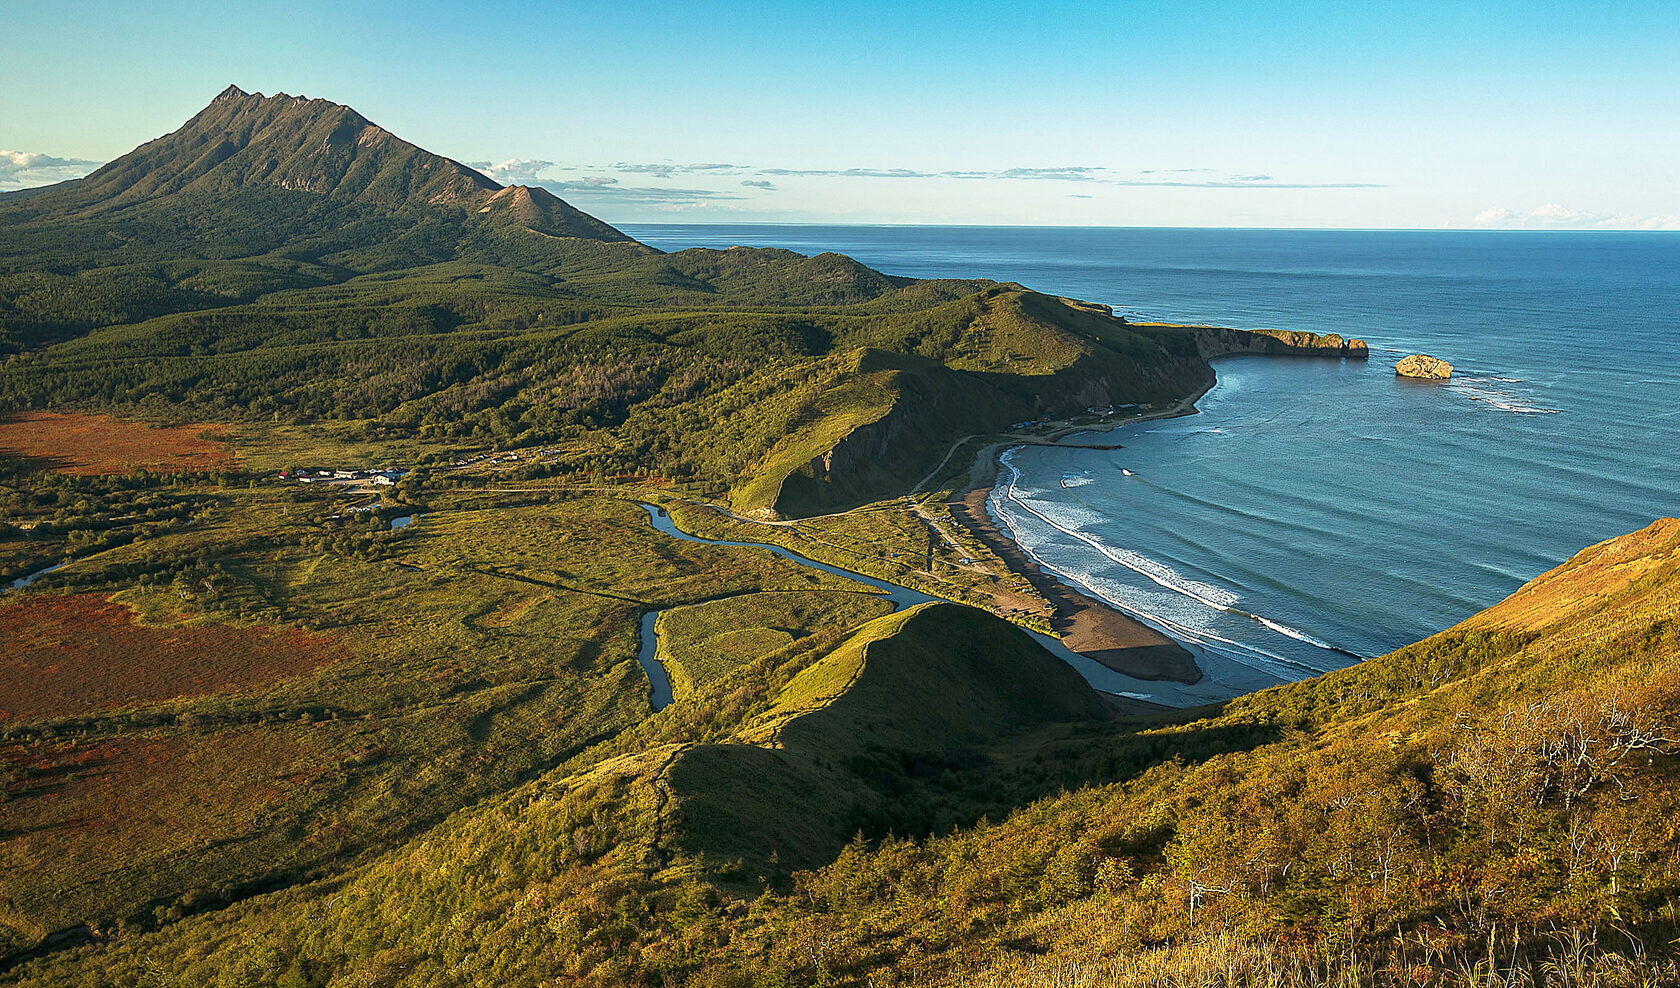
1214	341
1423	367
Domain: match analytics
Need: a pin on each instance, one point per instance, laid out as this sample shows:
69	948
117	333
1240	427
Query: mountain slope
243	140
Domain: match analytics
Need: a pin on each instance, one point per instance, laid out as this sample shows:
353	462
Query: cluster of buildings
507	457
378	478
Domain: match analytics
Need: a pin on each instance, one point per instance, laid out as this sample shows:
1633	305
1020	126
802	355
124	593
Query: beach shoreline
1086	624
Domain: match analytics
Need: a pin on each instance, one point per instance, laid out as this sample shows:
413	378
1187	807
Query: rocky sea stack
1424	367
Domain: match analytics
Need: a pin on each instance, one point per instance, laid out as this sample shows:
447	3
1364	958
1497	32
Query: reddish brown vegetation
80	653
79	809
85	444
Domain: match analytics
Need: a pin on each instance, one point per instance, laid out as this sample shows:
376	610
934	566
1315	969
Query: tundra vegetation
254	734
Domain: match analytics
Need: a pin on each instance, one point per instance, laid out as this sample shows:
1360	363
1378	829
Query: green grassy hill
283	260
1508	782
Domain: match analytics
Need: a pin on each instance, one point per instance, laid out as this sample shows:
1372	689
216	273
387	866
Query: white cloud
666	169
1552	212
599	191
1553	215
513	171
1665	221
28	169
1494	216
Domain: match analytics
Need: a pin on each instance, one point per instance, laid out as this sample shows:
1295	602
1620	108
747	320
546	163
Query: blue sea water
1316	510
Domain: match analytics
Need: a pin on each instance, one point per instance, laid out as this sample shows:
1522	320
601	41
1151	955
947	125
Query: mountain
243	141
286	253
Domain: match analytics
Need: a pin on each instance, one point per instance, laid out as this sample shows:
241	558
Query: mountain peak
242	142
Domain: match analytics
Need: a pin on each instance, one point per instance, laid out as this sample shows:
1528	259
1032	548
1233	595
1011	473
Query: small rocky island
1424	367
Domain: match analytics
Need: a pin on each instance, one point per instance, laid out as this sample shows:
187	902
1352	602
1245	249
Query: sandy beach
1087	625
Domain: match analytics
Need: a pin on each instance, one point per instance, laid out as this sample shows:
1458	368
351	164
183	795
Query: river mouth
1100	677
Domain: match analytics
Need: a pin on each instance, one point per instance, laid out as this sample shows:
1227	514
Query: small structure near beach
1424	367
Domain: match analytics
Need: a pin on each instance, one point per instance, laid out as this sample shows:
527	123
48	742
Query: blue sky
1305	114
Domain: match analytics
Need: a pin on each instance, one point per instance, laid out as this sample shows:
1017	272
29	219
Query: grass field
326	698
89	444
704	642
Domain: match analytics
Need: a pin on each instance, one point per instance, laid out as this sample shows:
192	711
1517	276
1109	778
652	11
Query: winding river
24	581
1099	676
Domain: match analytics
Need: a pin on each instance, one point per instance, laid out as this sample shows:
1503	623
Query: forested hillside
353	510
285	260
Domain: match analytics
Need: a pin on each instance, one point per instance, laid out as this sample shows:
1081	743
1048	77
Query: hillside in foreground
323	464
1502	789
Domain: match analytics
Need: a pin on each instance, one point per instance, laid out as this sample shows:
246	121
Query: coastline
1086	624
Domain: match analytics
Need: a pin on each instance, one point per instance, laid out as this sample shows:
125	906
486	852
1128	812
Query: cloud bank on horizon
624	185
1553	216
29	169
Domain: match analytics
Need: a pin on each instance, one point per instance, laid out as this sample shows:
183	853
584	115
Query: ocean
1318	511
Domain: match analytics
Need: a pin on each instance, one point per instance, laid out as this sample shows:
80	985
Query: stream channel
1099	676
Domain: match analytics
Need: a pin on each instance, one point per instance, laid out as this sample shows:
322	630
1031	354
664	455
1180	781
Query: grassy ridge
1399	817
461	780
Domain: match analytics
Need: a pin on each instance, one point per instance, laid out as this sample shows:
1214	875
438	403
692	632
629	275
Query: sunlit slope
1514	770
973	366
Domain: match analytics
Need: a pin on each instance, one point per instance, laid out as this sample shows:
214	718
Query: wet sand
1085	624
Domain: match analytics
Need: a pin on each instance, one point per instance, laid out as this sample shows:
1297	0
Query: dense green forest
285	281
255	731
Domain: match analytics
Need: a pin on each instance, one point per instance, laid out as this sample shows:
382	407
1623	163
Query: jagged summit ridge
242	139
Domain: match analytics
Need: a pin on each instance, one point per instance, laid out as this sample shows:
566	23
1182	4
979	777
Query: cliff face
1212	341
933	407
1017	356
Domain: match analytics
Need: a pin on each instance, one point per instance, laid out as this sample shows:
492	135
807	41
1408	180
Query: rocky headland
1214	341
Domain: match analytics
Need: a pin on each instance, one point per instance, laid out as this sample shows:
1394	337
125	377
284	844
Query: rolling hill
285	260
396	731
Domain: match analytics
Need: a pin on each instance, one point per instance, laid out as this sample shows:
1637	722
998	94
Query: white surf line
1282	629
1241	653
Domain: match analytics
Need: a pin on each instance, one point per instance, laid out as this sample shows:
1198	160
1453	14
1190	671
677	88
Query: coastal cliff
1213	341
886	417
1019	356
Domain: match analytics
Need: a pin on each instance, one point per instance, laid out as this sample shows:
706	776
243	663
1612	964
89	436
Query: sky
1284	114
